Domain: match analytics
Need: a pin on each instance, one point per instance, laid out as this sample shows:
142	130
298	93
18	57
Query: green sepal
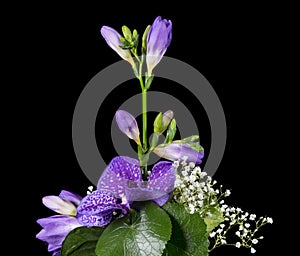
158	123
171	132
144	38
127	33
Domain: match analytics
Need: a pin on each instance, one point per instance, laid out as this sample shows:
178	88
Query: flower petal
55	229
59	205
69	196
56	253
97	208
162	176
176	151
128	125
112	38
161	200
160	183
158	40
119	171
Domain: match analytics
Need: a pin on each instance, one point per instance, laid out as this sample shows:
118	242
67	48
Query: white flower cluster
246	225
195	190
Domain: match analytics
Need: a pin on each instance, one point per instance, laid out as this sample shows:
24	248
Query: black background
237	48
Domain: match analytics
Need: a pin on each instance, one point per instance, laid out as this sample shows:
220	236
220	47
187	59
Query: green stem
144	111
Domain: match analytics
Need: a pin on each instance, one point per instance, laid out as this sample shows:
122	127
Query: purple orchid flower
176	151
158	40
128	125
99	207
56	228
112	38
123	178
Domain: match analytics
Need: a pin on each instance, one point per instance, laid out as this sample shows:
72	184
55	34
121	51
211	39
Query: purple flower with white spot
57	227
176	151
99	207
158	40
123	178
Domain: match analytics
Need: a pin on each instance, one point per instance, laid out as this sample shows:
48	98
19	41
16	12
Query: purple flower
56	228
99	207
112	38
128	125
158	40
123	178
65	203
176	151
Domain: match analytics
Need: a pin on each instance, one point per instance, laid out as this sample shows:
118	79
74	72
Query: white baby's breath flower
176	164
223	241
184	173
90	190
195	190
227	192
247	225
193	178
192	165
212	234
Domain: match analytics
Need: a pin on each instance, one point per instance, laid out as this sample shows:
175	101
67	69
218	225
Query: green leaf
214	220
189	236
143	232
81	241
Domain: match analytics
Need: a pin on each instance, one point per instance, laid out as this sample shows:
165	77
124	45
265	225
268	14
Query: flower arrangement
173	209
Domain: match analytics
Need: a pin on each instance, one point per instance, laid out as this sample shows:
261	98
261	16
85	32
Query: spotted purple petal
55	229
119	171
98	208
160	183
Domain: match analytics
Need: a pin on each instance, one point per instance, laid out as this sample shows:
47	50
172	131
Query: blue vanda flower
112	38
158	40
122	177
56	227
